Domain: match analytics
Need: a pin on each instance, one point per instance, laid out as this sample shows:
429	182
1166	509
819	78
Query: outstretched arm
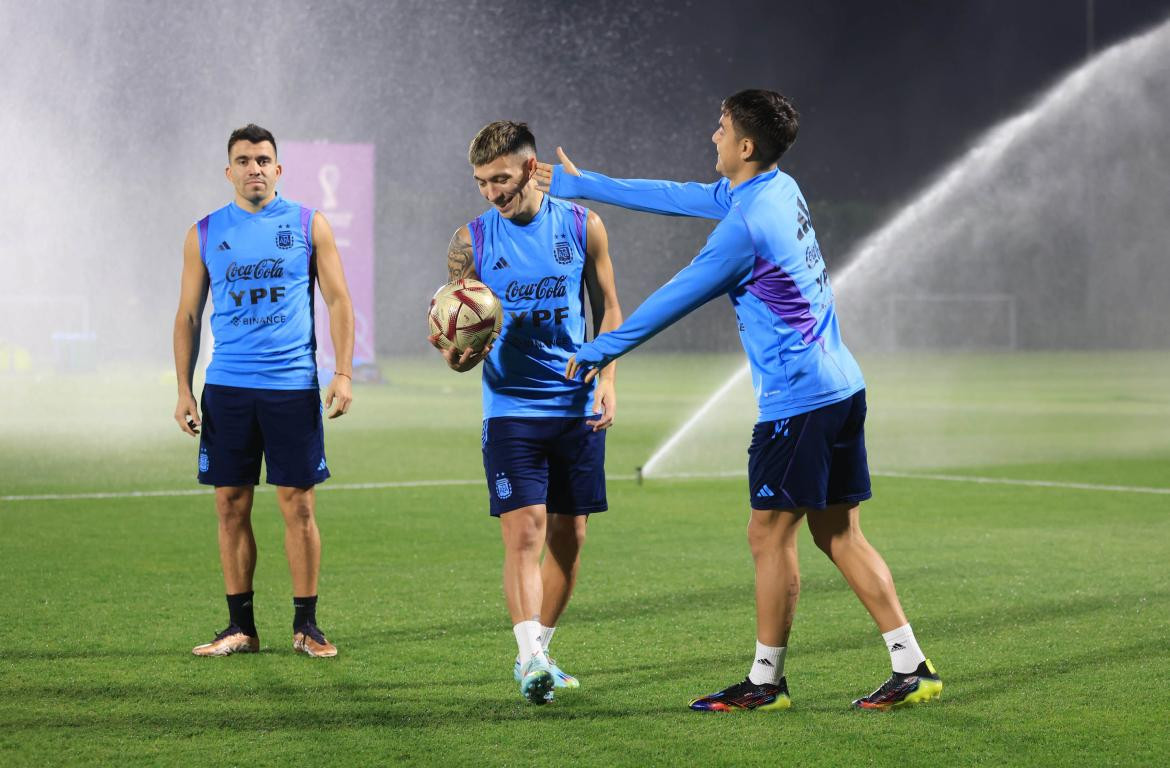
188	321
331	279
670	198
726	260
607	315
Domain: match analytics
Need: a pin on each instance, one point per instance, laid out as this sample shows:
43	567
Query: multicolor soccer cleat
536	681
918	687
746	695
231	640
561	678
310	640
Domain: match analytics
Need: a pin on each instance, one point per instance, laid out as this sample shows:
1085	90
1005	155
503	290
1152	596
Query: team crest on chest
284	236
562	253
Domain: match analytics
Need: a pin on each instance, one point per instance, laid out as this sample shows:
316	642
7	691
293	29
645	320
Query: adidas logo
224	246
502	263
321	466
764	663
897	647
764	492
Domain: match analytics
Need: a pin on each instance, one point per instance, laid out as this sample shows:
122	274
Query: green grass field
1046	609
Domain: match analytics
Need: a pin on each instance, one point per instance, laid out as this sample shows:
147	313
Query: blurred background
983	176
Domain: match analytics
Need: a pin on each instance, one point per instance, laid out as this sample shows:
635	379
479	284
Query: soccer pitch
1046	608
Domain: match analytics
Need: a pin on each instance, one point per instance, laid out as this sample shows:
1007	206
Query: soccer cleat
310	640
920	686
536	681
231	640
561	678
746	695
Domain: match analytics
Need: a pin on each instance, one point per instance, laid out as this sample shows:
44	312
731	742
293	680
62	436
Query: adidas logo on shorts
764	492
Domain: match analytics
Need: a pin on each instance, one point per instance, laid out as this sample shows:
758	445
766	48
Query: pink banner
338	180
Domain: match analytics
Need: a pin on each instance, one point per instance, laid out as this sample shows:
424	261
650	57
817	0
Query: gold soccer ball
465	314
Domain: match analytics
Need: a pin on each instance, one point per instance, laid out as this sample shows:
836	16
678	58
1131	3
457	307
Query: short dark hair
500	138
765	117
253	133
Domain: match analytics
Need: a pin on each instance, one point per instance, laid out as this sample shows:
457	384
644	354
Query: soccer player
259	256
543	435
807	456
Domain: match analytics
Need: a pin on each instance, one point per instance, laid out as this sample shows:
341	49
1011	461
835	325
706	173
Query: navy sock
304	611
240	611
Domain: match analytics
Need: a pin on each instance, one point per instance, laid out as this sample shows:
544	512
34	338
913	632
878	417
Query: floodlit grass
1045	609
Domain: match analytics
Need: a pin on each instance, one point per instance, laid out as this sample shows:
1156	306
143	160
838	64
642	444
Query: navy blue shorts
557	461
240	425
811	460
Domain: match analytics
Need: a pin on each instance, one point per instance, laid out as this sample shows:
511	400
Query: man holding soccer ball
807	458
543	435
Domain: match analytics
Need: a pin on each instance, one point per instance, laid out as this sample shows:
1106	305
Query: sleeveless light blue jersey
536	271
262	296
764	256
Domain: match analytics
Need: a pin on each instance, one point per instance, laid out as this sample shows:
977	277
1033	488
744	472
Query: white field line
949	479
671	476
1028	483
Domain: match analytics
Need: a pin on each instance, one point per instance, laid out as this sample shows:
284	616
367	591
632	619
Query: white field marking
672	476
949	479
259	489
1028	483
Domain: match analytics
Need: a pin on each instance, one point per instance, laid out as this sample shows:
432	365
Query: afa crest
503	487
284	238
204	461
562	253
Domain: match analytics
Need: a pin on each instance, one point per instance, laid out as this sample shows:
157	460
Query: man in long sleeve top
807	456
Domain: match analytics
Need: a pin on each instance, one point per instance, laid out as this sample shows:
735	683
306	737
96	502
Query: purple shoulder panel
203	224
307	226
475	228
779	292
579	214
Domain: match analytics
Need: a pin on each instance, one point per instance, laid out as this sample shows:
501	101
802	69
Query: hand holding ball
464	314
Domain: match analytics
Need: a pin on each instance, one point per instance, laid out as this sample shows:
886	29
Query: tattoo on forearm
460	261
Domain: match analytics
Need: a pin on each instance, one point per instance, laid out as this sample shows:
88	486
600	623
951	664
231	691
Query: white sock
905	655
528	639
769	664
546	634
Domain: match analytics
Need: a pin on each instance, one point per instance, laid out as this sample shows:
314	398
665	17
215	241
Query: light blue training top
536	270
764	256
261	272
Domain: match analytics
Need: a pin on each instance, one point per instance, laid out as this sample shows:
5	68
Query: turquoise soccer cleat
561	678
536	681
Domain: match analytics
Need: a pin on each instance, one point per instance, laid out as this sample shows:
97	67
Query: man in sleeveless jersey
259	257
543	436
807	457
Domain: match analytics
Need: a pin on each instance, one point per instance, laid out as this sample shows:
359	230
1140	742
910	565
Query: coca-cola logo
550	287
261	270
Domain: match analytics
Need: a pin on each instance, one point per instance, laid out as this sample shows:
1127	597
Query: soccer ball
465	314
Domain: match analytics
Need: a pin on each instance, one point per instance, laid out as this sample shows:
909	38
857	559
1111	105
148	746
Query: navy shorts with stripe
556	461
241	425
811	460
